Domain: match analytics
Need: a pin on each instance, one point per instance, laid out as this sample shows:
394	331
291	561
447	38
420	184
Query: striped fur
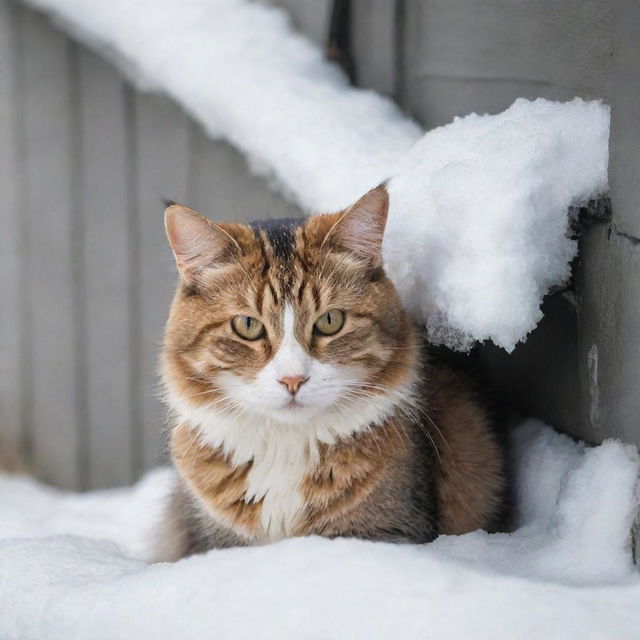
376	443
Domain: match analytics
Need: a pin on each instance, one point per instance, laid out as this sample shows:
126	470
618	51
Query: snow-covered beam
478	219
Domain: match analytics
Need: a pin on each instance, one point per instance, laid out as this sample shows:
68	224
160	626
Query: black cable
339	39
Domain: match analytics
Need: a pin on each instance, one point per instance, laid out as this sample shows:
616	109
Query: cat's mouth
293	405
293	411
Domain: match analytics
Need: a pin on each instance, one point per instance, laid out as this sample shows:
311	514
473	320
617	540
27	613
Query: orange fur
218	484
432	466
471	477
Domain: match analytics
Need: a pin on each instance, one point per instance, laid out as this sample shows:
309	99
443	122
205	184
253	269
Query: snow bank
479	208
239	69
478	225
566	572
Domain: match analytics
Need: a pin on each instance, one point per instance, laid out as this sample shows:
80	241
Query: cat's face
288	320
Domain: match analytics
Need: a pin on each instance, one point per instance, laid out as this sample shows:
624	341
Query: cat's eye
247	327
330	322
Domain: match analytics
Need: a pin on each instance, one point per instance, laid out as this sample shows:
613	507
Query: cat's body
304	401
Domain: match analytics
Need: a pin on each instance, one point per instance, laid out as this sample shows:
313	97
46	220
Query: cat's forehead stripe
280	234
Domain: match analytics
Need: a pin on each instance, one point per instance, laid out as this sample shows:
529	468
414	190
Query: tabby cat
303	397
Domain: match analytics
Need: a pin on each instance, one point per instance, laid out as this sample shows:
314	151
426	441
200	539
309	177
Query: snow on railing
478	223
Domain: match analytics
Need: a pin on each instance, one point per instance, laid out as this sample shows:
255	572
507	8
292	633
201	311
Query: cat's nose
293	383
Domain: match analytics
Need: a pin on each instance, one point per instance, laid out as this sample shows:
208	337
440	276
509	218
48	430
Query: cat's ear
360	229
197	243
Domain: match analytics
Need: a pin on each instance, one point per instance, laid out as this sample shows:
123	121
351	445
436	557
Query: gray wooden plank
624	142
461	56
50	271
373	30
222	188
11	327
161	169
106	268
436	101
310	17
609	273
555	48
609	350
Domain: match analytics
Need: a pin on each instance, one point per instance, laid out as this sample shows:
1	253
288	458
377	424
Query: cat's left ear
361	228
197	243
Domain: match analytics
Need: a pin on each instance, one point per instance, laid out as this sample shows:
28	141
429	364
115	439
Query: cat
304	399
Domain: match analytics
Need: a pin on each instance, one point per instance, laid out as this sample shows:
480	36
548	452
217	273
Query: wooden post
609	272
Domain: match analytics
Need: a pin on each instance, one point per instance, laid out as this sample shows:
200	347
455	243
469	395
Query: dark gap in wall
339	37
399	40
459	77
596	210
621	234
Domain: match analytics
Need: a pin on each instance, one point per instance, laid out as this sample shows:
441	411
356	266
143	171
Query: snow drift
478	221
478	228
73	566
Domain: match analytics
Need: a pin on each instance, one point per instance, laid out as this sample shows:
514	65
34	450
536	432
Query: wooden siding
444	58
50	268
463	56
86	276
12	230
609	268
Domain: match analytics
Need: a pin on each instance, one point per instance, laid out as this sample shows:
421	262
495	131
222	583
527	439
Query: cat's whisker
202	393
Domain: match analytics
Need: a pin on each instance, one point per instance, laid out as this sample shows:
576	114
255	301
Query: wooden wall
86	275
445	58
609	269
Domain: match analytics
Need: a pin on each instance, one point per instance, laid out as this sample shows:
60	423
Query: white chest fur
275	478
255	425
281	454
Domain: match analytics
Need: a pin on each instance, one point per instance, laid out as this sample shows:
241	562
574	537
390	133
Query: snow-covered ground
73	566
479	208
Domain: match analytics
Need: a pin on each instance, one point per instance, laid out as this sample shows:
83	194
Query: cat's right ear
197	243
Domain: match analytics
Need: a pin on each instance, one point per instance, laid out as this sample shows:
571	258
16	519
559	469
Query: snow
239	69
478	224
73	566
478	220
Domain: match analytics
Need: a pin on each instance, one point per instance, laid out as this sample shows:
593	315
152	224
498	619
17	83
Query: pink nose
293	383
